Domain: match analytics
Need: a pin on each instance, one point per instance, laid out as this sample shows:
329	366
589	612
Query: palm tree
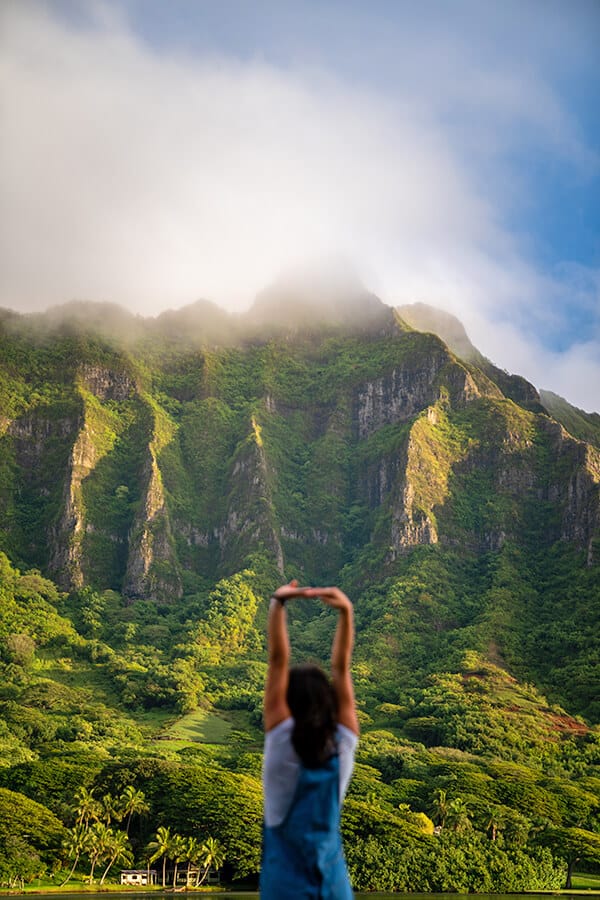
458	814
109	808
99	837
213	854
74	844
132	801
87	809
492	821
177	853
161	846
193	854
439	807
119	851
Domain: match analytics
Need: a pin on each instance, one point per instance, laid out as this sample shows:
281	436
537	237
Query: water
250	895
253	896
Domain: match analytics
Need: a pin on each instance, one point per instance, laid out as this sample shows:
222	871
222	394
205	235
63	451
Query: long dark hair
313	705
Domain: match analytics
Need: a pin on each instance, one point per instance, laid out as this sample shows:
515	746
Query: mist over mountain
317	296
399	373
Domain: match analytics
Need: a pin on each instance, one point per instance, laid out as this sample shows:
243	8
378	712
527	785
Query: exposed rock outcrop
251	518
152	569
397	396
578	492
41	445
32	432
429	319
67	536
409	389
105	383
410	526
422	484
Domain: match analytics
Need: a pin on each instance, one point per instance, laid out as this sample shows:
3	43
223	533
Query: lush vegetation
130	722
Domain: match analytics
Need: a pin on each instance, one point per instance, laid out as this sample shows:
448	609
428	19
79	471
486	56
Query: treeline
213	815
92	837
460	837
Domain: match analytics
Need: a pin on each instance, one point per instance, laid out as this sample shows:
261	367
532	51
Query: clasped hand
331	596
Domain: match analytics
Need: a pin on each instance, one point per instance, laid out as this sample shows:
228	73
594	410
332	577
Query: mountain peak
330	294
423	317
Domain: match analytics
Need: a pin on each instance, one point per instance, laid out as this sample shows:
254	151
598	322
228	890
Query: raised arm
275	707
341	654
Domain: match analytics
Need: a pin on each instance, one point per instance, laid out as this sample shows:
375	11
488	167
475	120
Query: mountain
582	425
429	319
143	450
159	476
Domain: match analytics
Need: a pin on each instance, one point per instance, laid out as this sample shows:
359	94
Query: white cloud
153	179
573	373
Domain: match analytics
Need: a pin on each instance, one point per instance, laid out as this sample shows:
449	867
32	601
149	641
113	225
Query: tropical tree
74	844
132	801
193	855
109	808
515	826
118	850
572	845
492	820
99	840
212	854
161	847
439	807
177	853
19	863
88	808
457	816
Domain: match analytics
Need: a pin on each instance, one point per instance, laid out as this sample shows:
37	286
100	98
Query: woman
311	735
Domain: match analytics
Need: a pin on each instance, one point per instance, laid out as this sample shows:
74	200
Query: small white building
139	876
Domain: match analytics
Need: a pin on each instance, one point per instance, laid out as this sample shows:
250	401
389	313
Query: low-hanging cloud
151	179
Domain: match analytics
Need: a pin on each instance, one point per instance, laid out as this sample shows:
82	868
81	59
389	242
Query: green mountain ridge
582	425
167	473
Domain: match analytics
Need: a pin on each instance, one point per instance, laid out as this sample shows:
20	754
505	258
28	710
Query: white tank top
281	767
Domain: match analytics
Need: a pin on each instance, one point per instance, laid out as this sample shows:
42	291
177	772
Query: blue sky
156	152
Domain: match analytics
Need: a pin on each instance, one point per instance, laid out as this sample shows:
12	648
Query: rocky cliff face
38	449
105	383
428	319
93	439
577	492
397	396
139	466
32	434
251	519
152	568
404	392
66	561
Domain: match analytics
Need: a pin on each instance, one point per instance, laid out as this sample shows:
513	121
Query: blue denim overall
303	857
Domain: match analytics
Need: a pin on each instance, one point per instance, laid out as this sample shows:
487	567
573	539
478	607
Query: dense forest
158	478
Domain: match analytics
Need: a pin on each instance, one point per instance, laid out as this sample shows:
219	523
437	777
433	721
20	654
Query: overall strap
303	857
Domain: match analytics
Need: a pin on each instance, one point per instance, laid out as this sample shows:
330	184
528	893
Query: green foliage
30	837
476	658
218	803
227	628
